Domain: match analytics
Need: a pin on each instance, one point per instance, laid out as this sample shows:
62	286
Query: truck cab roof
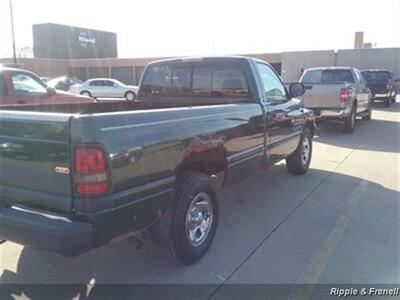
203	59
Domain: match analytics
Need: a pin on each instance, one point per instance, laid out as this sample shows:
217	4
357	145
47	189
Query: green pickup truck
77	176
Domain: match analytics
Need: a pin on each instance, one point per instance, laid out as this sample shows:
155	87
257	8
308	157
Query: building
289	64
56	41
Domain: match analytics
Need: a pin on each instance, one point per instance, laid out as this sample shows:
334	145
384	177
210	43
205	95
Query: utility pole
12	32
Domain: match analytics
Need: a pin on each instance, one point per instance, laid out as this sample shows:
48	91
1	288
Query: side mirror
296	90
51	91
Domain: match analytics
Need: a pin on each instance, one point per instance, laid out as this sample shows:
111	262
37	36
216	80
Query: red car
23	87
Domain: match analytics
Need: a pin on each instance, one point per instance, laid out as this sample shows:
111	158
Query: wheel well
85	91
208	162
129	92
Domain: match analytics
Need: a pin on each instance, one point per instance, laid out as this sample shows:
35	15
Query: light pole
12	32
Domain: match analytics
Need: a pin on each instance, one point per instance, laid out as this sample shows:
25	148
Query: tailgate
378	87
35	159
322	95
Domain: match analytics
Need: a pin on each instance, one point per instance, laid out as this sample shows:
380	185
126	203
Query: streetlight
12	32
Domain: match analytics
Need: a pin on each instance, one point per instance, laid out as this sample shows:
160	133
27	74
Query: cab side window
273	87
27	85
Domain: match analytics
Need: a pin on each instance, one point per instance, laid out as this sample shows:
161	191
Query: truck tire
194	219
299	161
350	122
368	116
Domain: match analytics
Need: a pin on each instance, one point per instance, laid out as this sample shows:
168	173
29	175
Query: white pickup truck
337	93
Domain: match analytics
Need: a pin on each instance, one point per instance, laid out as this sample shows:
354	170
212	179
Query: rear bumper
383	95
332	112
44	231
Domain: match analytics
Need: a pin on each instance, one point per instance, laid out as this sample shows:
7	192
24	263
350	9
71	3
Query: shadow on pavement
118	261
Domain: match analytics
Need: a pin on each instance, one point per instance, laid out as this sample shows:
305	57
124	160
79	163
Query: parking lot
337	224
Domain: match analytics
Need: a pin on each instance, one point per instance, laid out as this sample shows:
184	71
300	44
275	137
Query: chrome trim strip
144	187
245	159
273	143
258	148
169	190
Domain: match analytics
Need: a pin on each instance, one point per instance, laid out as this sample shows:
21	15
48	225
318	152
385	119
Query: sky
156	28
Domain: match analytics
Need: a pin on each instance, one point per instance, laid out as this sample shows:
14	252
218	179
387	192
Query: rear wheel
299	162
194	219
350	122
130	96
368	116
86	93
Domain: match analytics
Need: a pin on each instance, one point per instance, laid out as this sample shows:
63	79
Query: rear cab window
205	80
3	91
329	76
376	76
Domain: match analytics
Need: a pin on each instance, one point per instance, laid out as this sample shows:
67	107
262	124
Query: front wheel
194	218
299	161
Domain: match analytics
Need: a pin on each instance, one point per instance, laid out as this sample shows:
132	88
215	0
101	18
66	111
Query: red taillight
92	189
89	161
90	170
344	95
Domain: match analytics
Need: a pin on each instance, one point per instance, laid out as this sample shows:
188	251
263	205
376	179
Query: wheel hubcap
305	151
199	219
130	96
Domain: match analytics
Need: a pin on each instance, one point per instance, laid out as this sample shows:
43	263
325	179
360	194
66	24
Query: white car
105	88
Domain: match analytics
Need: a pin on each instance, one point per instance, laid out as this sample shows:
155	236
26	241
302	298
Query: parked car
337	93
105	88
23	87
154	163
63	83
381	83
